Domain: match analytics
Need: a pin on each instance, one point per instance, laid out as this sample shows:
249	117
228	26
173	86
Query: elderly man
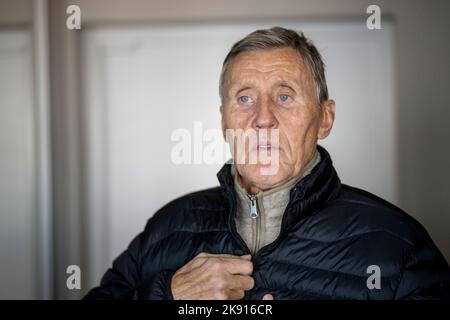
294	232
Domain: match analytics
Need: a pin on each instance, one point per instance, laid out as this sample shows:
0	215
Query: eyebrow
281	83
243	89
286	84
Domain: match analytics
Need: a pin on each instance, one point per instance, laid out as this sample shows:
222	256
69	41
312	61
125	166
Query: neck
249	188
253	189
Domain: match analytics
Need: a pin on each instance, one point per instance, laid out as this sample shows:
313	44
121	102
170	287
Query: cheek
229	120
299	129
236	119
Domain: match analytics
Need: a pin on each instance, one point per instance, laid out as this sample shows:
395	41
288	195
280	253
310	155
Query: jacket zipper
253	207
237	237
283	227
256	223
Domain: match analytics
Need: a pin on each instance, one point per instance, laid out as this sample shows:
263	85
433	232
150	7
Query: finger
268	297
240	282
200	258
230	266
235	294
224	255
203	257
238	266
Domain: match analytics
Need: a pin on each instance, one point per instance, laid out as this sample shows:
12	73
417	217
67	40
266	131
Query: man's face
274	89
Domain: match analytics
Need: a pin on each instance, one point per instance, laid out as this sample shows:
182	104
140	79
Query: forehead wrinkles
263	67
255	75
275	65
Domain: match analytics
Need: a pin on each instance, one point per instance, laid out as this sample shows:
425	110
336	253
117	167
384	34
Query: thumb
267	297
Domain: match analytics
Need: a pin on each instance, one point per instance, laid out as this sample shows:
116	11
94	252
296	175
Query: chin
264	176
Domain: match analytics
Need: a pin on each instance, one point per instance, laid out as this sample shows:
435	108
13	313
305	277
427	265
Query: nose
265	117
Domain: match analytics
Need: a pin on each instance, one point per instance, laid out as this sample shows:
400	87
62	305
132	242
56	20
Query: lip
266	146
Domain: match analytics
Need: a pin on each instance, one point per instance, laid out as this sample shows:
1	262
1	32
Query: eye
245	100
283	97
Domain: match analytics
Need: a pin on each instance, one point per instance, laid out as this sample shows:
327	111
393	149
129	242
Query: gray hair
278	37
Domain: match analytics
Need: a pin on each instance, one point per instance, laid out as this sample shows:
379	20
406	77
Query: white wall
142	83
18	232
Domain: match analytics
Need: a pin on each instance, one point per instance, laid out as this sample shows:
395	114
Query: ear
327	109
223	122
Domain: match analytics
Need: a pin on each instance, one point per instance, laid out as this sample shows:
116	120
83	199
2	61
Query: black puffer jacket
331	233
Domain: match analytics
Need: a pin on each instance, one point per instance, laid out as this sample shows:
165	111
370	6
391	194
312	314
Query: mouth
266	146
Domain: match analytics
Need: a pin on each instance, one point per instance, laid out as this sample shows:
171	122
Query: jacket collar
306	196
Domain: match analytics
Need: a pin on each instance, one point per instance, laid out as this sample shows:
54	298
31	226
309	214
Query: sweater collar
276	192
307	195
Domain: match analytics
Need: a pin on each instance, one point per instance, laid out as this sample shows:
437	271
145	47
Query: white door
143	83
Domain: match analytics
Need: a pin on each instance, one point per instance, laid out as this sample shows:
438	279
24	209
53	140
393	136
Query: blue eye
284	97
244	99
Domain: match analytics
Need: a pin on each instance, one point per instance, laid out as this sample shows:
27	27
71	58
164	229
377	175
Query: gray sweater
264	227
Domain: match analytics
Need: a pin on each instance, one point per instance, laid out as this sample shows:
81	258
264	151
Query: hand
213	277
268	297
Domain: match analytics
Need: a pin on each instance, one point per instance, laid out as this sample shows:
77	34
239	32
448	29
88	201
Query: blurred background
87	116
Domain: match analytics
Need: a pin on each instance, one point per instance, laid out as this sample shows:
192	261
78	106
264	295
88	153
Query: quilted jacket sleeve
425	274
123	281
